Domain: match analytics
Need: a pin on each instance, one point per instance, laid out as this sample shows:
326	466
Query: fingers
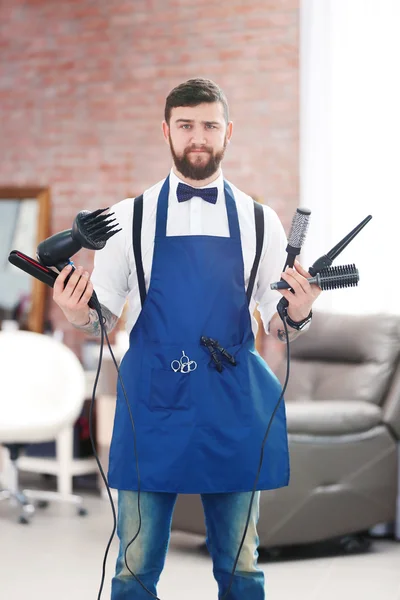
313	287
80	287
300	269
301	301
75	290
60	285
60	281
297	282
87	294
288	295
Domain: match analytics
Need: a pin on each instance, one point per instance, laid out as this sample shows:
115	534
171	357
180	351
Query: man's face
197	137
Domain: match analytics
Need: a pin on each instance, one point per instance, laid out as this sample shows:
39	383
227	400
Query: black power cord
105	335
97	307
93	442
224	597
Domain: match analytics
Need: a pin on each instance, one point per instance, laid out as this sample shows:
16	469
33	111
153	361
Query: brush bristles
96	228
90	216
111	233
298	231
342	276
99	223
99	226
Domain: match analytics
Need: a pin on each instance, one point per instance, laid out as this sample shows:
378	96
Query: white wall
350	140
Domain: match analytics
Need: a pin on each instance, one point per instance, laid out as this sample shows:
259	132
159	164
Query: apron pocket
169	390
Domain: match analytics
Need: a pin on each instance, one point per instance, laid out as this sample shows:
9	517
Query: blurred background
313	94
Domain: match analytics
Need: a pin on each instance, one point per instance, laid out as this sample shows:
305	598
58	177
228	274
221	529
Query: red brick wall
83	84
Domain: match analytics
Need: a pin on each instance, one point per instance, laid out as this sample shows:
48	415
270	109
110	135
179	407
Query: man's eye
210	126
186	126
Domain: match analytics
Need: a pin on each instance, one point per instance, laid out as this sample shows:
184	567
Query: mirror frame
38	295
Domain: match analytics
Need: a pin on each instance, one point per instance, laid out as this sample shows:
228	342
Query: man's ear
165	130
229	130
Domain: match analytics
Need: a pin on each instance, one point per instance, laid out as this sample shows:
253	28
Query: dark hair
194	92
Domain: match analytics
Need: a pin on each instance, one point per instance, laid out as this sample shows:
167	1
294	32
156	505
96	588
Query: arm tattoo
293	334
281	335
93	325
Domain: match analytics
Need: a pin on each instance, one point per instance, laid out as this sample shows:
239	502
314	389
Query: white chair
42	391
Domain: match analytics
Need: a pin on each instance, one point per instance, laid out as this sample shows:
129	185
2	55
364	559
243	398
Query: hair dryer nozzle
94	229
90	230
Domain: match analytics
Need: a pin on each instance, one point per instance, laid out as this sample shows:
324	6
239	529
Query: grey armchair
343	414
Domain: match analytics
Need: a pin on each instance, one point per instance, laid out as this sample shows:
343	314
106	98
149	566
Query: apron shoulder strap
259	222
137	244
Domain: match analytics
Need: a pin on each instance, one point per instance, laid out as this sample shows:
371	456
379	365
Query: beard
198	170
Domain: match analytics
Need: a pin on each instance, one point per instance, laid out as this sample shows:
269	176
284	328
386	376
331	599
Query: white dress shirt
114	275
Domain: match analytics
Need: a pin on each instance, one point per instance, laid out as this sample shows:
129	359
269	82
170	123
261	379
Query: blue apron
199	431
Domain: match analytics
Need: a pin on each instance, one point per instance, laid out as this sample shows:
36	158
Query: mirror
24	222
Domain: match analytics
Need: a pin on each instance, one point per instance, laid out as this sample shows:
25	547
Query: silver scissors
184	365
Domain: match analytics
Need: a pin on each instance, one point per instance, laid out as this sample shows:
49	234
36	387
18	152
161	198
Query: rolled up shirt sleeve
111	265
271	265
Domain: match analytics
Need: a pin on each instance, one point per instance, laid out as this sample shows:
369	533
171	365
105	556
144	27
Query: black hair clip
213	346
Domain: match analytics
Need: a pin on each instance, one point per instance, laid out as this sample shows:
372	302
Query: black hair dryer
89	230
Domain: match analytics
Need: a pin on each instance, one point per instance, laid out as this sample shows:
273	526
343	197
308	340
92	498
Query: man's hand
74	297
305	294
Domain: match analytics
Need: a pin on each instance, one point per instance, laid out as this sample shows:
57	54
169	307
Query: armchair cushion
344	357
332	417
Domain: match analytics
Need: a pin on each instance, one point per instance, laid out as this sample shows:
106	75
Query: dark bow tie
185	192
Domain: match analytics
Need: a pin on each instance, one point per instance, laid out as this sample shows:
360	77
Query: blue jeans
225	516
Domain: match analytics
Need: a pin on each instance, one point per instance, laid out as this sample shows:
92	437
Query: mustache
203	148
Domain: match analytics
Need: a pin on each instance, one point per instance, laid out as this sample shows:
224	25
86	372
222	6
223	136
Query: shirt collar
174	180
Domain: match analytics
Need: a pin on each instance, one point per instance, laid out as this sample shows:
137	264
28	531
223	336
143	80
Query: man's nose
198	137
